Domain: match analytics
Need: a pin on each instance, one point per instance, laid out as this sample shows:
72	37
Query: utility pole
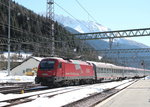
50	16
8	66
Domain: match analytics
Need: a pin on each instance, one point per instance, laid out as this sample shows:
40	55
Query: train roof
98	64
69	60
102	64
108	65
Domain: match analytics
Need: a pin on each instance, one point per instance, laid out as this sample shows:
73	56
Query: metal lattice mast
50	16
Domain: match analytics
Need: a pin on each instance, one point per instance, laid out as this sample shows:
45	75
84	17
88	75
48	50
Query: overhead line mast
8	66
50	16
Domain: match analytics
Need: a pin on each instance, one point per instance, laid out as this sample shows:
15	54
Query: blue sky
114	14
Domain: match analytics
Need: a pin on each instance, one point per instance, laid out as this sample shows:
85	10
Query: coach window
101	70
110	70
97	70
105	70
113	71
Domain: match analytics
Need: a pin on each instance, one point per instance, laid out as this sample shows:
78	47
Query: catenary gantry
114	34
104	35
134	50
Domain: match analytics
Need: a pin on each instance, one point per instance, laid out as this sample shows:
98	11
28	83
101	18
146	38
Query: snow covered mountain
80	25
90	26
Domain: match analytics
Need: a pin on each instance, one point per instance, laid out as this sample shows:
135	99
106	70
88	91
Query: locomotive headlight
44	74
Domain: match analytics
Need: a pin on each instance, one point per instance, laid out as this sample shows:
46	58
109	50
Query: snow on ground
4	78
58	100
63	99
3	73
148	77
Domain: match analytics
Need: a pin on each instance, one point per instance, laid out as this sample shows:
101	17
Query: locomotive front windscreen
47	65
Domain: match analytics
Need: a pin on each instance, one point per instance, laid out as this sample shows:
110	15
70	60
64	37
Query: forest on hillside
31	32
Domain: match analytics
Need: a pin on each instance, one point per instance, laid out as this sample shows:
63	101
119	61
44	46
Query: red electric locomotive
58	72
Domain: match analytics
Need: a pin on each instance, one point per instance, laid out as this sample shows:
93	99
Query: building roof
31	57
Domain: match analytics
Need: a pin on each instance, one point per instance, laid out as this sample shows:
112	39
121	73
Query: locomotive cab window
47	65
60	65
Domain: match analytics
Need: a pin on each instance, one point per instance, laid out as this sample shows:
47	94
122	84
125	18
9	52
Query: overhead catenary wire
24	41
21	40
85	10
18	14
70	14
15	11
34	34
59	7
32	44
21	30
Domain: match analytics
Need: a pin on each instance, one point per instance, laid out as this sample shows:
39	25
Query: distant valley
79	26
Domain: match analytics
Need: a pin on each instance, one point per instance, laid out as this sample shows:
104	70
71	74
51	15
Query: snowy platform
136	95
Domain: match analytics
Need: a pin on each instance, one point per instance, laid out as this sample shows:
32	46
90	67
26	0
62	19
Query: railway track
15	83
50	93
22	87
6	88
21	90
32	96
96	98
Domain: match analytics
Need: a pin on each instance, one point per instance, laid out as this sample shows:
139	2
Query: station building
27	67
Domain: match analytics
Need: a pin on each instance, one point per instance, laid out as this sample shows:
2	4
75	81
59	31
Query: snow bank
4	78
